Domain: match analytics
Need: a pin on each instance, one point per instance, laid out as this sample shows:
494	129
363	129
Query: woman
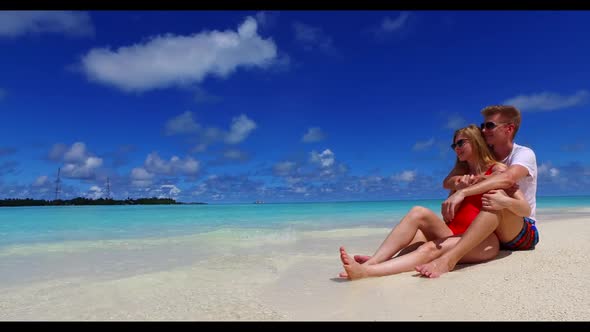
423	235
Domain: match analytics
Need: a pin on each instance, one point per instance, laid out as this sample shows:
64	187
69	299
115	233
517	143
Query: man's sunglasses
490	125
459	143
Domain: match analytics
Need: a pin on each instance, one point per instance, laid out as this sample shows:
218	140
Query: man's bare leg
509	227
505	224
482	226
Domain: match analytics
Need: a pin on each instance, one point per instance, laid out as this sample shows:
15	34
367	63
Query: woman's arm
454	177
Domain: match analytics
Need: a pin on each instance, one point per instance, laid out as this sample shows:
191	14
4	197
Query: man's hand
451	205
495	200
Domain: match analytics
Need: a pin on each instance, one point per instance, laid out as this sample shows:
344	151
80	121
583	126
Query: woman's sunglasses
491	125
459	143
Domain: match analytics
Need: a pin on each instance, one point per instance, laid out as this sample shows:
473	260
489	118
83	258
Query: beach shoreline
296	280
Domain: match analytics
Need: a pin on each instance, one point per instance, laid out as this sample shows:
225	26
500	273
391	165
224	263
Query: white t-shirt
521	155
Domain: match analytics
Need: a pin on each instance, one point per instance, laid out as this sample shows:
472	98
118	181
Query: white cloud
324	159
93	162
546	169
405	176
314	134
548	101
170	60
76	154
156	165
299	190
169	190
419	146
391	25
94	192
294	179
78	162
18	23
84	170
182	124
240	129
139	173
140	177
188	167
217	197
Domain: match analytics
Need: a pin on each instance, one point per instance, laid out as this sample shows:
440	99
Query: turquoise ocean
50	224
44	242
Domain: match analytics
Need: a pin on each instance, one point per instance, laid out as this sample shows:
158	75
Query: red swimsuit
468	210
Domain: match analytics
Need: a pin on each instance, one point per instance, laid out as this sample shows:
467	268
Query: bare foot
436	268
343	256
343	274
354	270
361	259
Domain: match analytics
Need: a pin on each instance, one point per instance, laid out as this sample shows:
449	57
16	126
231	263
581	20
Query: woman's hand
464	181
468	180
450	206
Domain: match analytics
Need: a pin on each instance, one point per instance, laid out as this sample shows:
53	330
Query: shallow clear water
31	225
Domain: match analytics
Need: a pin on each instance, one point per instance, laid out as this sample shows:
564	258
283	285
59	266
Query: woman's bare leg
429	251
419	218
416	242
420	223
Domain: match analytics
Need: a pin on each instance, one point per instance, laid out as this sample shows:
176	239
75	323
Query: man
501	123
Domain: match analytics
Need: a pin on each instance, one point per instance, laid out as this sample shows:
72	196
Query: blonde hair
485	157
508	112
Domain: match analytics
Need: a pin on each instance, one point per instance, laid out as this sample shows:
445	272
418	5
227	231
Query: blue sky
281	106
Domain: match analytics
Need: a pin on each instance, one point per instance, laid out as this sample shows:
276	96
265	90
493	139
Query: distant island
87	201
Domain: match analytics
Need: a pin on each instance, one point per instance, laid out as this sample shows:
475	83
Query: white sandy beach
296	280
